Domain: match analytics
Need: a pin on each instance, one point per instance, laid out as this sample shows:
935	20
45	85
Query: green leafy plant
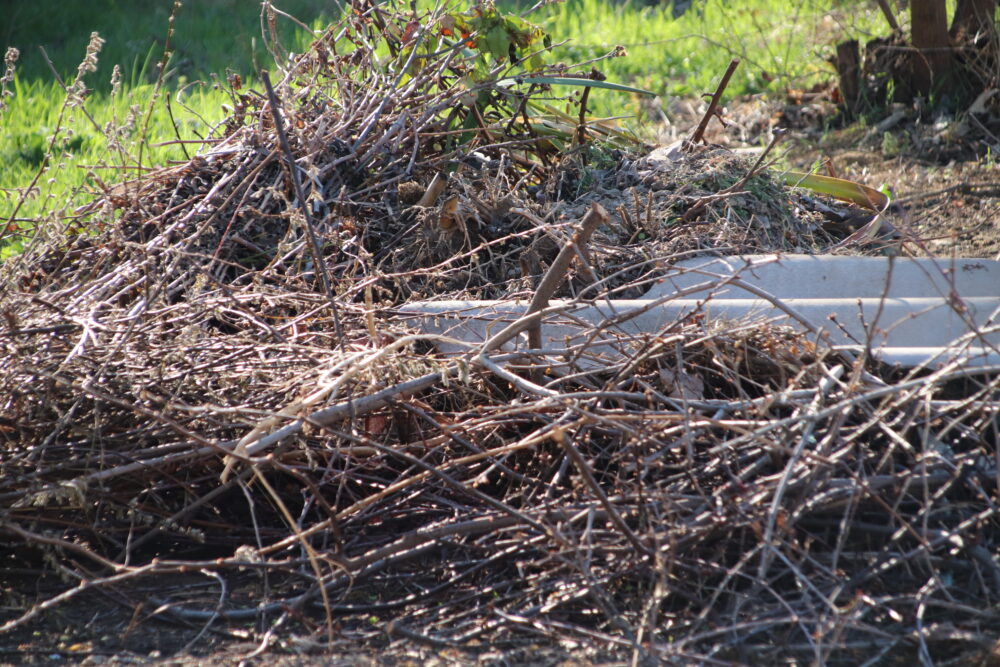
497	36
497	60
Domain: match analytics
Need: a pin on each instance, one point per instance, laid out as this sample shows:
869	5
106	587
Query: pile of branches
208	388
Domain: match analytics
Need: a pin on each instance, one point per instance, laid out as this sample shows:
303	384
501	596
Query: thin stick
581	128
161	72
776	135
559	434
303	206
699	134
735	188
889	16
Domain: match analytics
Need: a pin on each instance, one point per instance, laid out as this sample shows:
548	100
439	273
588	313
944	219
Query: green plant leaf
496	42
574	81
856	193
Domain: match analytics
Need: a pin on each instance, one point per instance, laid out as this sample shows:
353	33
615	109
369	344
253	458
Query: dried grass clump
702	202
722	492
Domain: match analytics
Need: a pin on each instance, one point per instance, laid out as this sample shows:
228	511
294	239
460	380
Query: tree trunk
848	65
932	58
973	18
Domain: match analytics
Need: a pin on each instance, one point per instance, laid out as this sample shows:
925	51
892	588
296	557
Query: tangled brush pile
211	386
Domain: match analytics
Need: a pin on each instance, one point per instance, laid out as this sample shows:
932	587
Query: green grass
81	153
210	37
782	46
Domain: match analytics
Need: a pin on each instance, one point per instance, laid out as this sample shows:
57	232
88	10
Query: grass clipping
724	493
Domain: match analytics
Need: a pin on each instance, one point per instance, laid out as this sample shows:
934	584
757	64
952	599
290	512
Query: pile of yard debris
730	492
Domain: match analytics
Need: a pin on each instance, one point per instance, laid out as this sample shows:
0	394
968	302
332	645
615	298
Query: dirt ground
99	631
950	205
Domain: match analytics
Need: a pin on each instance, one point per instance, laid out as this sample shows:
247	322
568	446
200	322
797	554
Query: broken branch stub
594	218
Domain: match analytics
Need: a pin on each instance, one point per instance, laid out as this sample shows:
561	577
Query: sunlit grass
781	45
70	151
96	144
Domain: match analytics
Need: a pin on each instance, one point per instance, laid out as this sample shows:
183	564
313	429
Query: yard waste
717	490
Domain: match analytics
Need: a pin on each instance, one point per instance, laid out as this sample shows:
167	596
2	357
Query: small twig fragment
699	133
